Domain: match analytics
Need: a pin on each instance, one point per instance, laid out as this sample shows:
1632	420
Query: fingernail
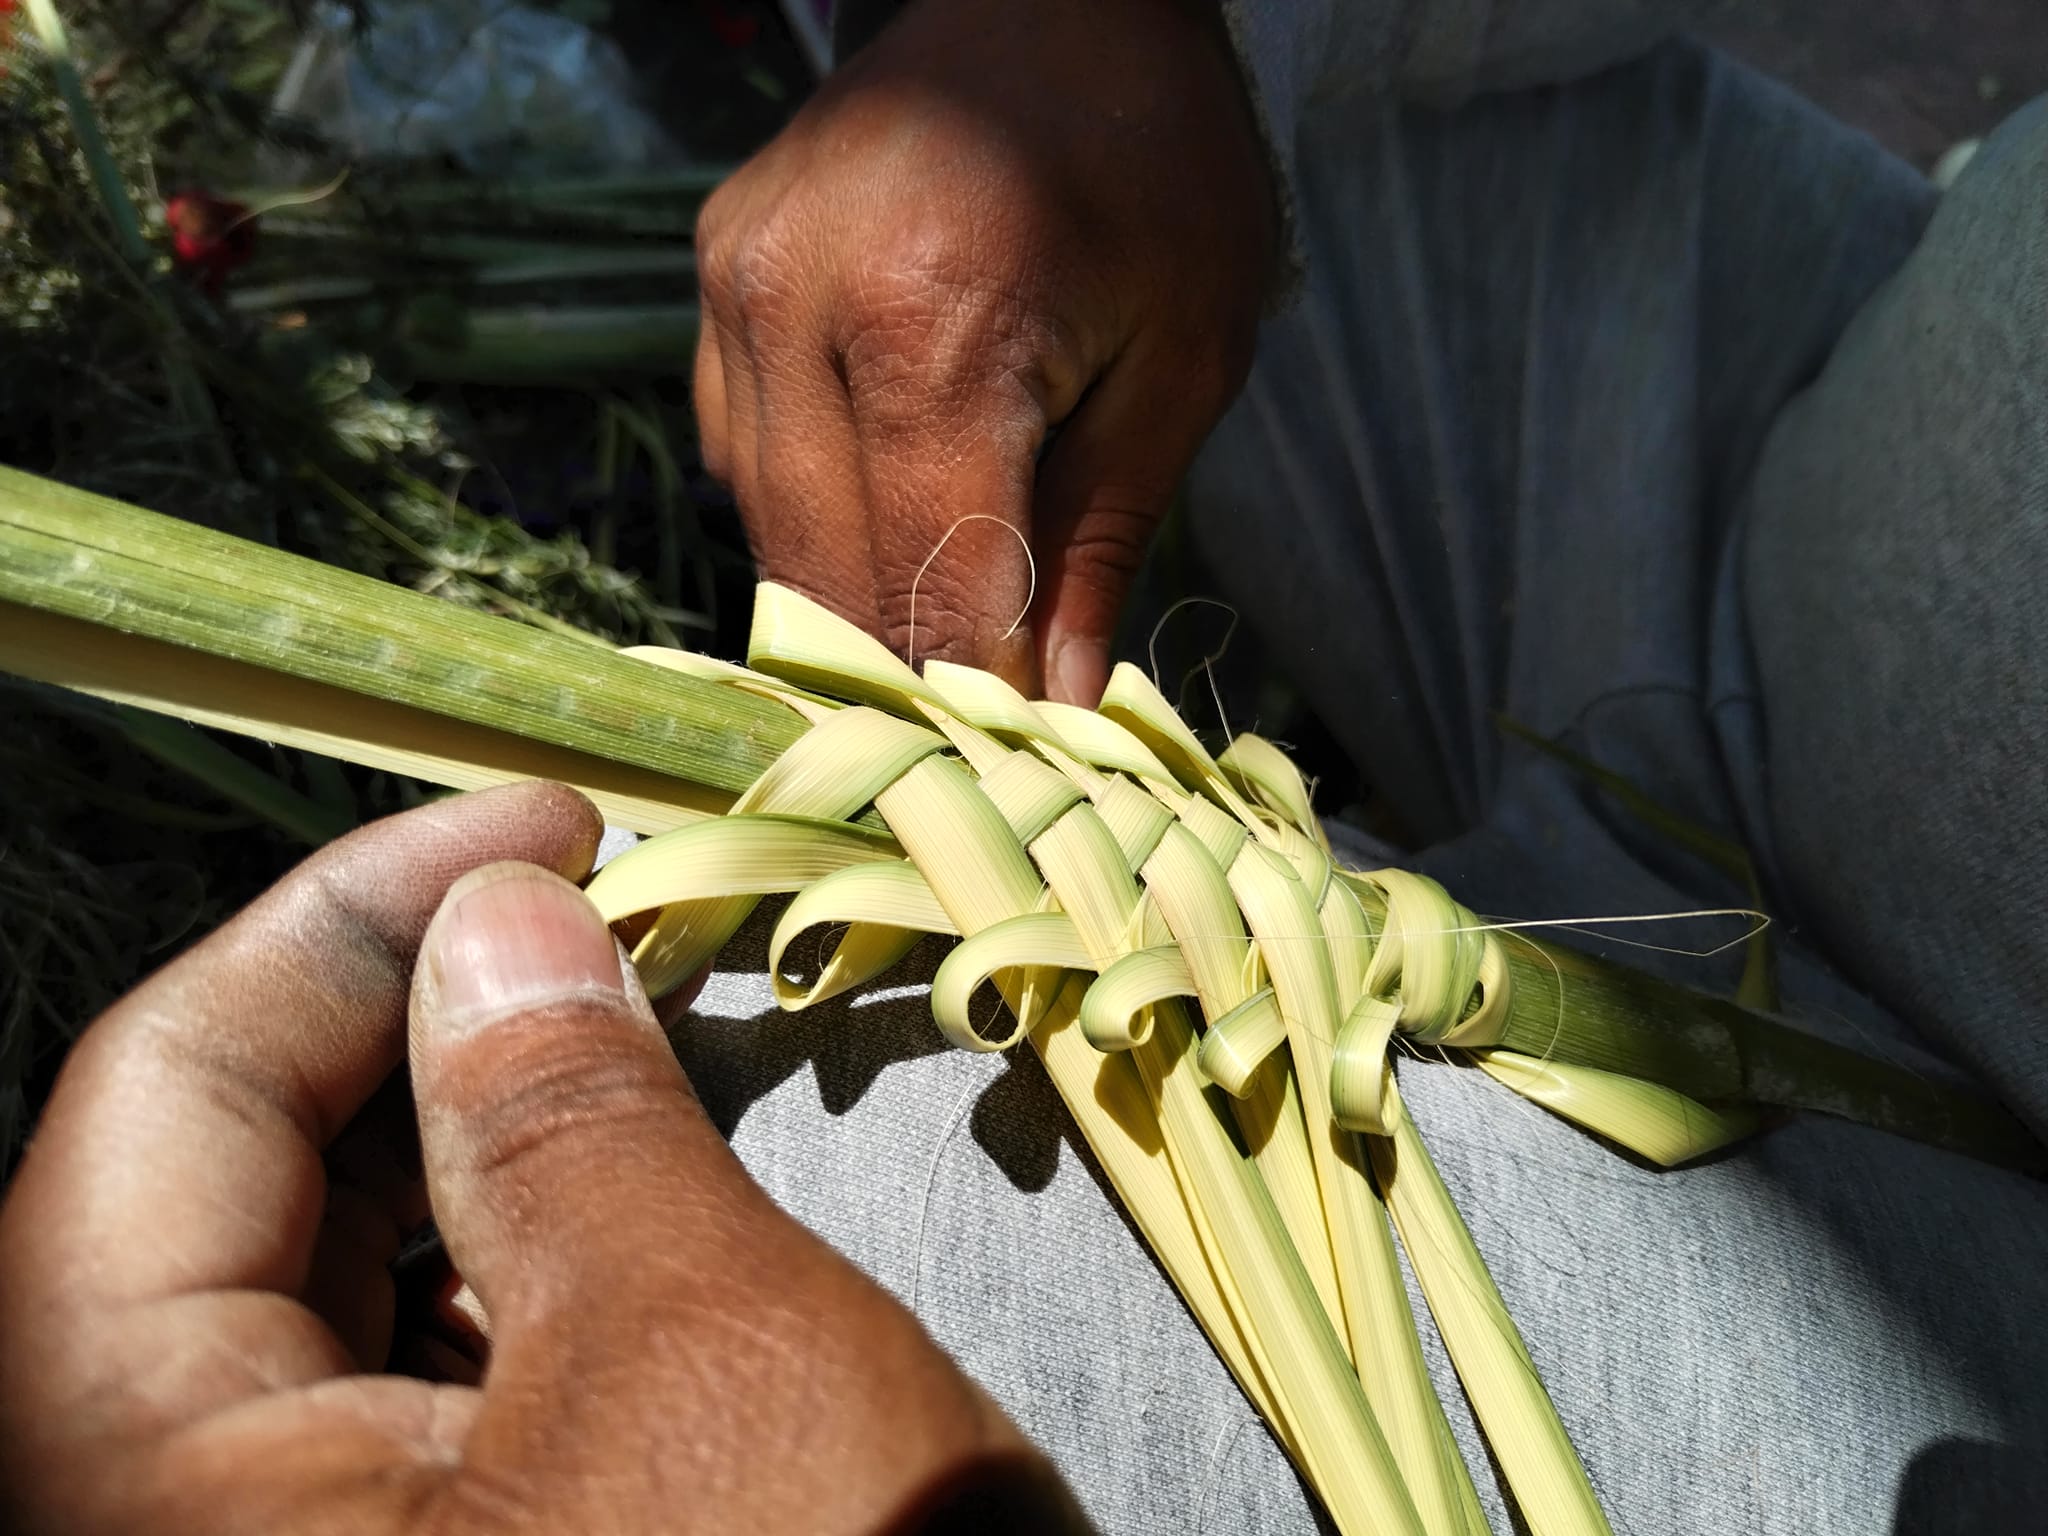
1079	670
512	936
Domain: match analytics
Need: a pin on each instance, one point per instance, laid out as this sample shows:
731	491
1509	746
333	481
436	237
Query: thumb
664	1337
549	1100
1101	495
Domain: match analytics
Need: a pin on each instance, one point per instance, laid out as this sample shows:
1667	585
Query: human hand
192	1305
997	219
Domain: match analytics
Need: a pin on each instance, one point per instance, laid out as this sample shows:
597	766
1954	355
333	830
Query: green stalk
67	553
106	174
1571	1007
187	389
534	344
202	758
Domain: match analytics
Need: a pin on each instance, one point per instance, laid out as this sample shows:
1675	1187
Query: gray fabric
1516	441
1299	53
1897	597
1503	455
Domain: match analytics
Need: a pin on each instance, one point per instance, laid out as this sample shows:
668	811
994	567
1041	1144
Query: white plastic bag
501	87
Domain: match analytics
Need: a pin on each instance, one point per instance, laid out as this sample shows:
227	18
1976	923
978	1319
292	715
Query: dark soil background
1916	74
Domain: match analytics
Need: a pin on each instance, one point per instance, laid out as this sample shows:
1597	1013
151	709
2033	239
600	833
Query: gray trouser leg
1896	587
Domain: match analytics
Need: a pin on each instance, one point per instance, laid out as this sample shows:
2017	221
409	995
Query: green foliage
130	379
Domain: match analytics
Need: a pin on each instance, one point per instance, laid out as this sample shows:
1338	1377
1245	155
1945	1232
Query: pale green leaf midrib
81	556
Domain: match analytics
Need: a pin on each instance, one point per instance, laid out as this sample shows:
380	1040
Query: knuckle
766	277
749	275
717	252
715	260
714	449
485	1494
540	1103
939	630
708	394
713	218
930	324
1109	545
961	380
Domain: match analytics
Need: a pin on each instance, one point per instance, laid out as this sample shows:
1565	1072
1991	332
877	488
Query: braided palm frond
1216	998
1159	921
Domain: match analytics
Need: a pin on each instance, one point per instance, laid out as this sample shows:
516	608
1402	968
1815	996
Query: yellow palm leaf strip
1362	1099
988	703
1359	1064
980	751
1262	772
1233	1049
887	908
1649	1119
1193	896
1443	958
831	771
981	876
839	765
1266	1105
708	870
1044	939
1116	1013
1544	1475
1029	796
799	642
1222	834
1280	910
1323	1410
731	674
1137	821
1361	1073
1132	702
1100	742
1352	938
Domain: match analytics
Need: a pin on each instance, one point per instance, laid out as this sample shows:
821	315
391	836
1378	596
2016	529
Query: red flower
210	236
732	29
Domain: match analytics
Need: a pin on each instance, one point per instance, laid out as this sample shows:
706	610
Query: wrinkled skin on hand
998	220
195	1299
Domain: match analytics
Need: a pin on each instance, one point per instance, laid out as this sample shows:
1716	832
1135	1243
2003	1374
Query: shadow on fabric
1972	1488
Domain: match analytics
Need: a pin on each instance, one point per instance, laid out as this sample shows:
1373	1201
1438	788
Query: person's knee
2004	186
1895	552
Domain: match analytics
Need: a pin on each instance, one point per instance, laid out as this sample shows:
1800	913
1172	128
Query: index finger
898	436
952	392
180	1154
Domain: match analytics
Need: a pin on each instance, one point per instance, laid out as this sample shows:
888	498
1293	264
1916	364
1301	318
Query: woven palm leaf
1218	1000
